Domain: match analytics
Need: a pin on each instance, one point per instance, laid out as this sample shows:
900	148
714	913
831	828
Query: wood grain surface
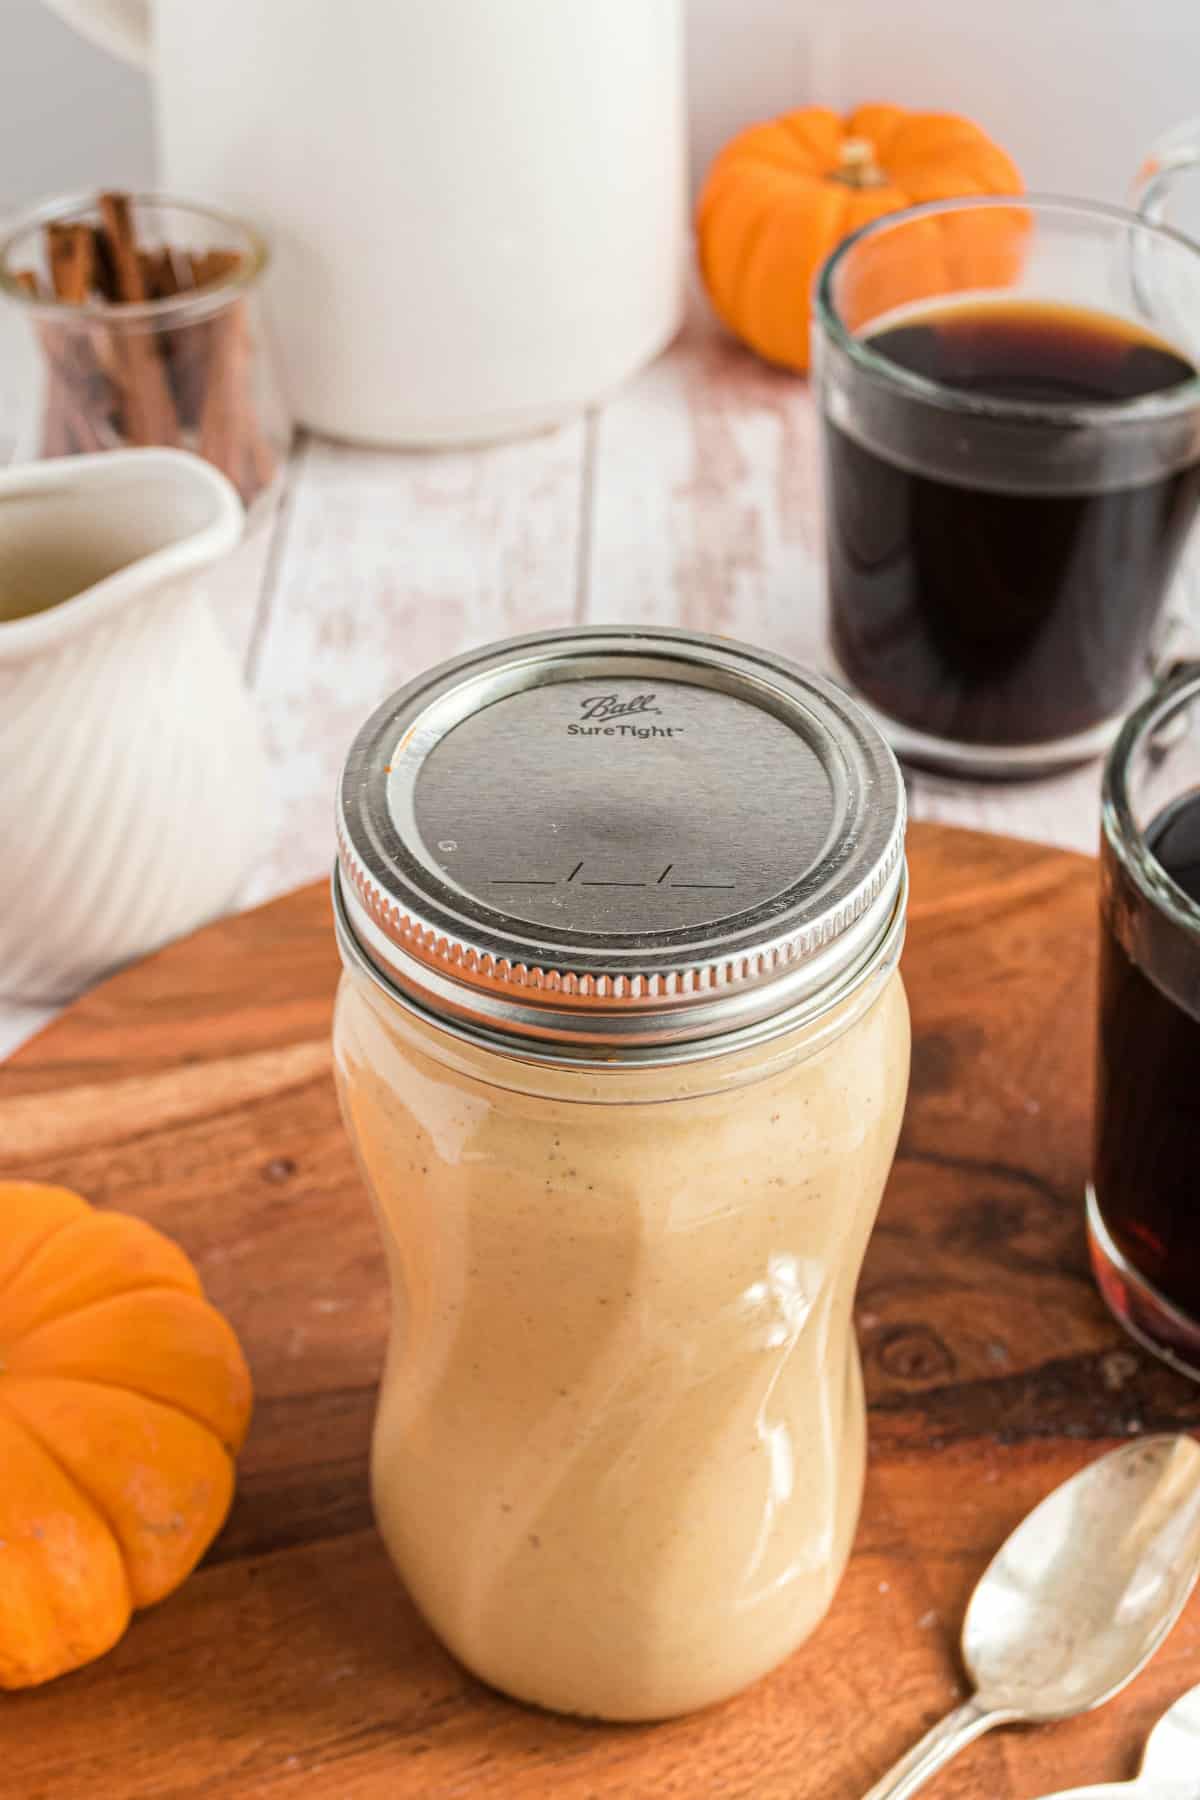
195	1090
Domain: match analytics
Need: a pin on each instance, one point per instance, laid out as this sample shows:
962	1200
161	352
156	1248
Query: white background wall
1074	88
70	116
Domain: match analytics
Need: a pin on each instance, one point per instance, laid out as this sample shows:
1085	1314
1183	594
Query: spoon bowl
1085	1590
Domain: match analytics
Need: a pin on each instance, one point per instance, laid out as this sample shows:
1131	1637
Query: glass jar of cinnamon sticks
147	329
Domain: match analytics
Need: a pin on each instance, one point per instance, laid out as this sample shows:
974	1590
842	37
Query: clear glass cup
1143	1221
1000	561
191	369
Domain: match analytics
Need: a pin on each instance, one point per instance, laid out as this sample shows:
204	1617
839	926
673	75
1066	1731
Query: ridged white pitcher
132	779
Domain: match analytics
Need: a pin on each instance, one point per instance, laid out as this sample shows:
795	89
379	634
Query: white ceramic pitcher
133	778
477	210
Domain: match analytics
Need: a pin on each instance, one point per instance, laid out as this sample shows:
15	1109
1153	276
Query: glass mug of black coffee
1010	405
1143	1204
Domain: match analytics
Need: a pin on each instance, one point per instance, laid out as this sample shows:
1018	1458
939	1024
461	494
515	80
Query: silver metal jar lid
603	842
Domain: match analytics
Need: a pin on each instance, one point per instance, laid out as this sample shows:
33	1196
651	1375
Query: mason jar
622	1048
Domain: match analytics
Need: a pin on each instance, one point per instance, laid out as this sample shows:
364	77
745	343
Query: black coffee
1009	615
1148	1096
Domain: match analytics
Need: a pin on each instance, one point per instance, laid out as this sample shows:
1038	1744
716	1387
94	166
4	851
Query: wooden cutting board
195	1091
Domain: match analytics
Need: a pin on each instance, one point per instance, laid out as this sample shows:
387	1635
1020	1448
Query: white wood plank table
690	498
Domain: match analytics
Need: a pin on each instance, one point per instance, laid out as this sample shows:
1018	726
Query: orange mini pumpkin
781	195
123	1397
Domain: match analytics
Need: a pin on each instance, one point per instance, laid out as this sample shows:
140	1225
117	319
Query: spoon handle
947	1738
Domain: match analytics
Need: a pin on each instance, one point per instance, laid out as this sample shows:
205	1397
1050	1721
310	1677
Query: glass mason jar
622	1047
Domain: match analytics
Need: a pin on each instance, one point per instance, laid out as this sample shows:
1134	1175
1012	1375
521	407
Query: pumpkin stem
857	167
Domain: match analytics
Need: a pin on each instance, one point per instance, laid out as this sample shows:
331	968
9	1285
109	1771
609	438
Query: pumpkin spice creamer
623	1050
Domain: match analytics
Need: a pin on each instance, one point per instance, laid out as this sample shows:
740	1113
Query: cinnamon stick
213	266
190	352
106	274
72	253
146	404
192	347
159	277
73	388
229	432
119	237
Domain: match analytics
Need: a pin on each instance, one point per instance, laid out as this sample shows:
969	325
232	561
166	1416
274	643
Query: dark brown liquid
1148	1096
1014	615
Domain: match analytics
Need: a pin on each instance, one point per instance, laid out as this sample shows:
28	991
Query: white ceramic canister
134	781
477	212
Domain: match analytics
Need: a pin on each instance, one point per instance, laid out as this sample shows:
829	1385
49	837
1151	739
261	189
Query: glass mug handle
1171	156
1176	153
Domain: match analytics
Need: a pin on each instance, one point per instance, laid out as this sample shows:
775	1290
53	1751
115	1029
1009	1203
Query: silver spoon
1076	1601
1170	1767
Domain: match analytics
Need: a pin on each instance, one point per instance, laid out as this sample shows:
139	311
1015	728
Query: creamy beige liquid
57	543
619	1451
32	584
